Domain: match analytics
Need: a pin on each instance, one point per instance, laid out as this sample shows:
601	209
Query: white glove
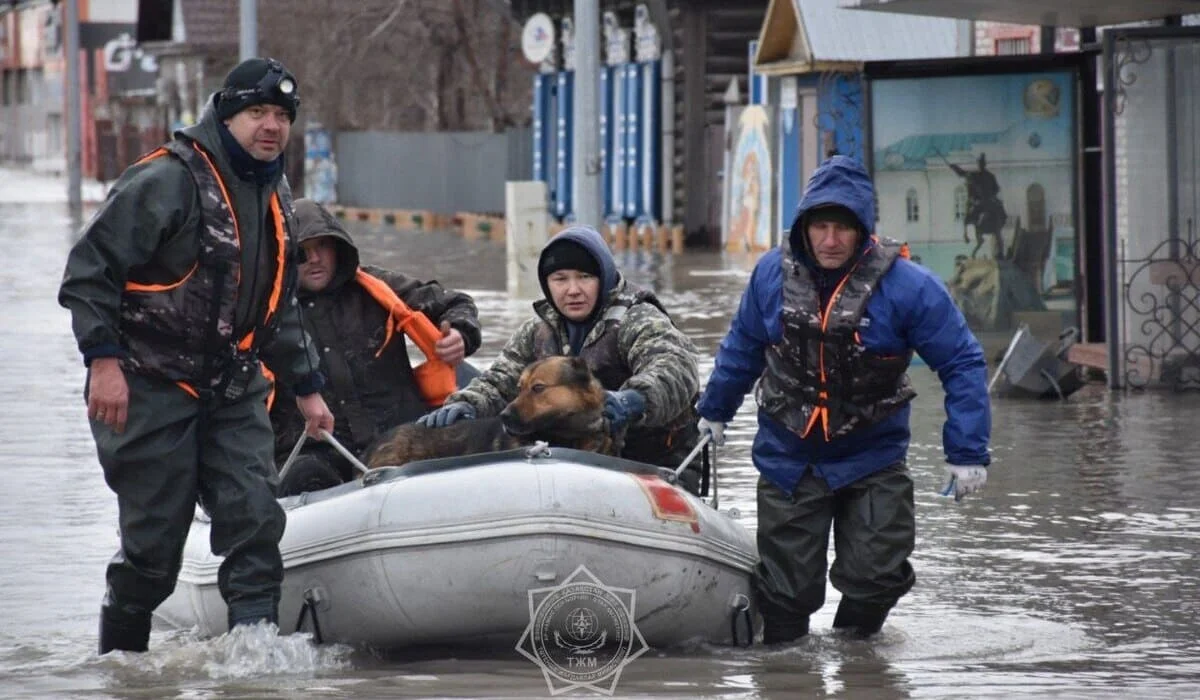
963	480
714	428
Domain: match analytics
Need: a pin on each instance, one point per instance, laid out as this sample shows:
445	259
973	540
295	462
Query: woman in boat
646	364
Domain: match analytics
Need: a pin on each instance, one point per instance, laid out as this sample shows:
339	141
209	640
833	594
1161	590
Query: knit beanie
826	212
835	213
566	255
257	81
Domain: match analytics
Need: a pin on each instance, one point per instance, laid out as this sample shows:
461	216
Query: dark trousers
874	530
170	458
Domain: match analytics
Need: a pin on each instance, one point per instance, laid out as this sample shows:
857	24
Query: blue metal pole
616	176
633	155
565	145
542	121
651	130
607	154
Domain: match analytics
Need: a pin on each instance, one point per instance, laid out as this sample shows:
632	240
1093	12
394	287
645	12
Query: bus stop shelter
1147	163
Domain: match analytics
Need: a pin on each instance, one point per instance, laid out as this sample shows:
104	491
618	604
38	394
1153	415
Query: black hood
314	221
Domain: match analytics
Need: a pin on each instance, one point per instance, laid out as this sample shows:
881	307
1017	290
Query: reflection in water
1074	574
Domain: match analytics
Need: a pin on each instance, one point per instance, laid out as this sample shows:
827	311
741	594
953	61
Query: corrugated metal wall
441	172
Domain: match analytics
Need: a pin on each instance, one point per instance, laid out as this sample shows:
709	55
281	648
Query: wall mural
751	183
976	174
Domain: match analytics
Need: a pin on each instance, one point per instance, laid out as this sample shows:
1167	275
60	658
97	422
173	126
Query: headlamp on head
276	82
275	86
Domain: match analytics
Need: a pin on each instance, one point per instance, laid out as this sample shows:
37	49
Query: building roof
804	36
913	152
1062	13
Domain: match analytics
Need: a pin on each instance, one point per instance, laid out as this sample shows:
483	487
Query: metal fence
441	172
1152	191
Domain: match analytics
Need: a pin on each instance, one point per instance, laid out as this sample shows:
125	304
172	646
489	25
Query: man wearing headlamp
181	285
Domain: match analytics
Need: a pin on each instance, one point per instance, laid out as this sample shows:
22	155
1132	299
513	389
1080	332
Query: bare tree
402	65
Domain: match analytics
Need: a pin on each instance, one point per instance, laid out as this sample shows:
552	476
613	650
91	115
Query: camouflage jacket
660	360
821	372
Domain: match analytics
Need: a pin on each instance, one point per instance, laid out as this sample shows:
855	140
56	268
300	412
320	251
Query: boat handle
692	455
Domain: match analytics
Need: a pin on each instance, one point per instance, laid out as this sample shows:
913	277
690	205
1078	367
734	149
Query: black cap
835	213
567	255
258	81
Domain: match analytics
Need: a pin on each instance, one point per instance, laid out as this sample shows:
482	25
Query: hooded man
181	284
646	364
827	327
347	309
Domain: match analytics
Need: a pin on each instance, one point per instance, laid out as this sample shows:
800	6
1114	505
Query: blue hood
593	243
841	180
590	240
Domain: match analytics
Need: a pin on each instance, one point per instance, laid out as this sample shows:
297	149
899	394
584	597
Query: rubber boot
121	631
784	632
860	619
253	612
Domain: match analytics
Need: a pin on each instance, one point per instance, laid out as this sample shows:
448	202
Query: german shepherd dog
559	401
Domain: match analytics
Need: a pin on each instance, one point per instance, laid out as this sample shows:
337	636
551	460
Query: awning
1060	13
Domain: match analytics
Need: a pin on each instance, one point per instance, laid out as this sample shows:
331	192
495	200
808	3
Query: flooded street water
1073	575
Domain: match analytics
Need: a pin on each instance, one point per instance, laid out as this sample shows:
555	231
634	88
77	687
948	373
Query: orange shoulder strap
905	251
160	151
435	379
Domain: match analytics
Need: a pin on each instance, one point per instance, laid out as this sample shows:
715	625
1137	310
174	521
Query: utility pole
248	22
73	100
586	162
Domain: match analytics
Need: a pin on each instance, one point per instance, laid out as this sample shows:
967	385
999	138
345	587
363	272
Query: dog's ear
523	380
578	373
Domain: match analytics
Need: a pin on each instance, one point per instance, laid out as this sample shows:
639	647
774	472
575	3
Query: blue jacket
911	309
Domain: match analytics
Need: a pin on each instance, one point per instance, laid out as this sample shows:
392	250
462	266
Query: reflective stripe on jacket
184	331
821	372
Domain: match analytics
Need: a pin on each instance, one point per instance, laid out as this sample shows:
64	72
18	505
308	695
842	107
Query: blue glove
621	407
448	414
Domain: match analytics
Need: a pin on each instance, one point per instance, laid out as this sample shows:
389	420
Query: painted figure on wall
749	195
745	220
985	210
961	162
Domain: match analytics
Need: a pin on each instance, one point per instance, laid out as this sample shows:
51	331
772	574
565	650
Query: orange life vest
220	234
435	379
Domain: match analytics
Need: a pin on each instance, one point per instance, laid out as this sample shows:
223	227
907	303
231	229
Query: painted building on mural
810	53
977	174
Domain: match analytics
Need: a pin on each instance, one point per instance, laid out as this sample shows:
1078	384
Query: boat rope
309	608
329	438
354	461
741	611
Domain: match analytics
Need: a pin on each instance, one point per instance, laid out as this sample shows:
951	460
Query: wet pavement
1074	575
